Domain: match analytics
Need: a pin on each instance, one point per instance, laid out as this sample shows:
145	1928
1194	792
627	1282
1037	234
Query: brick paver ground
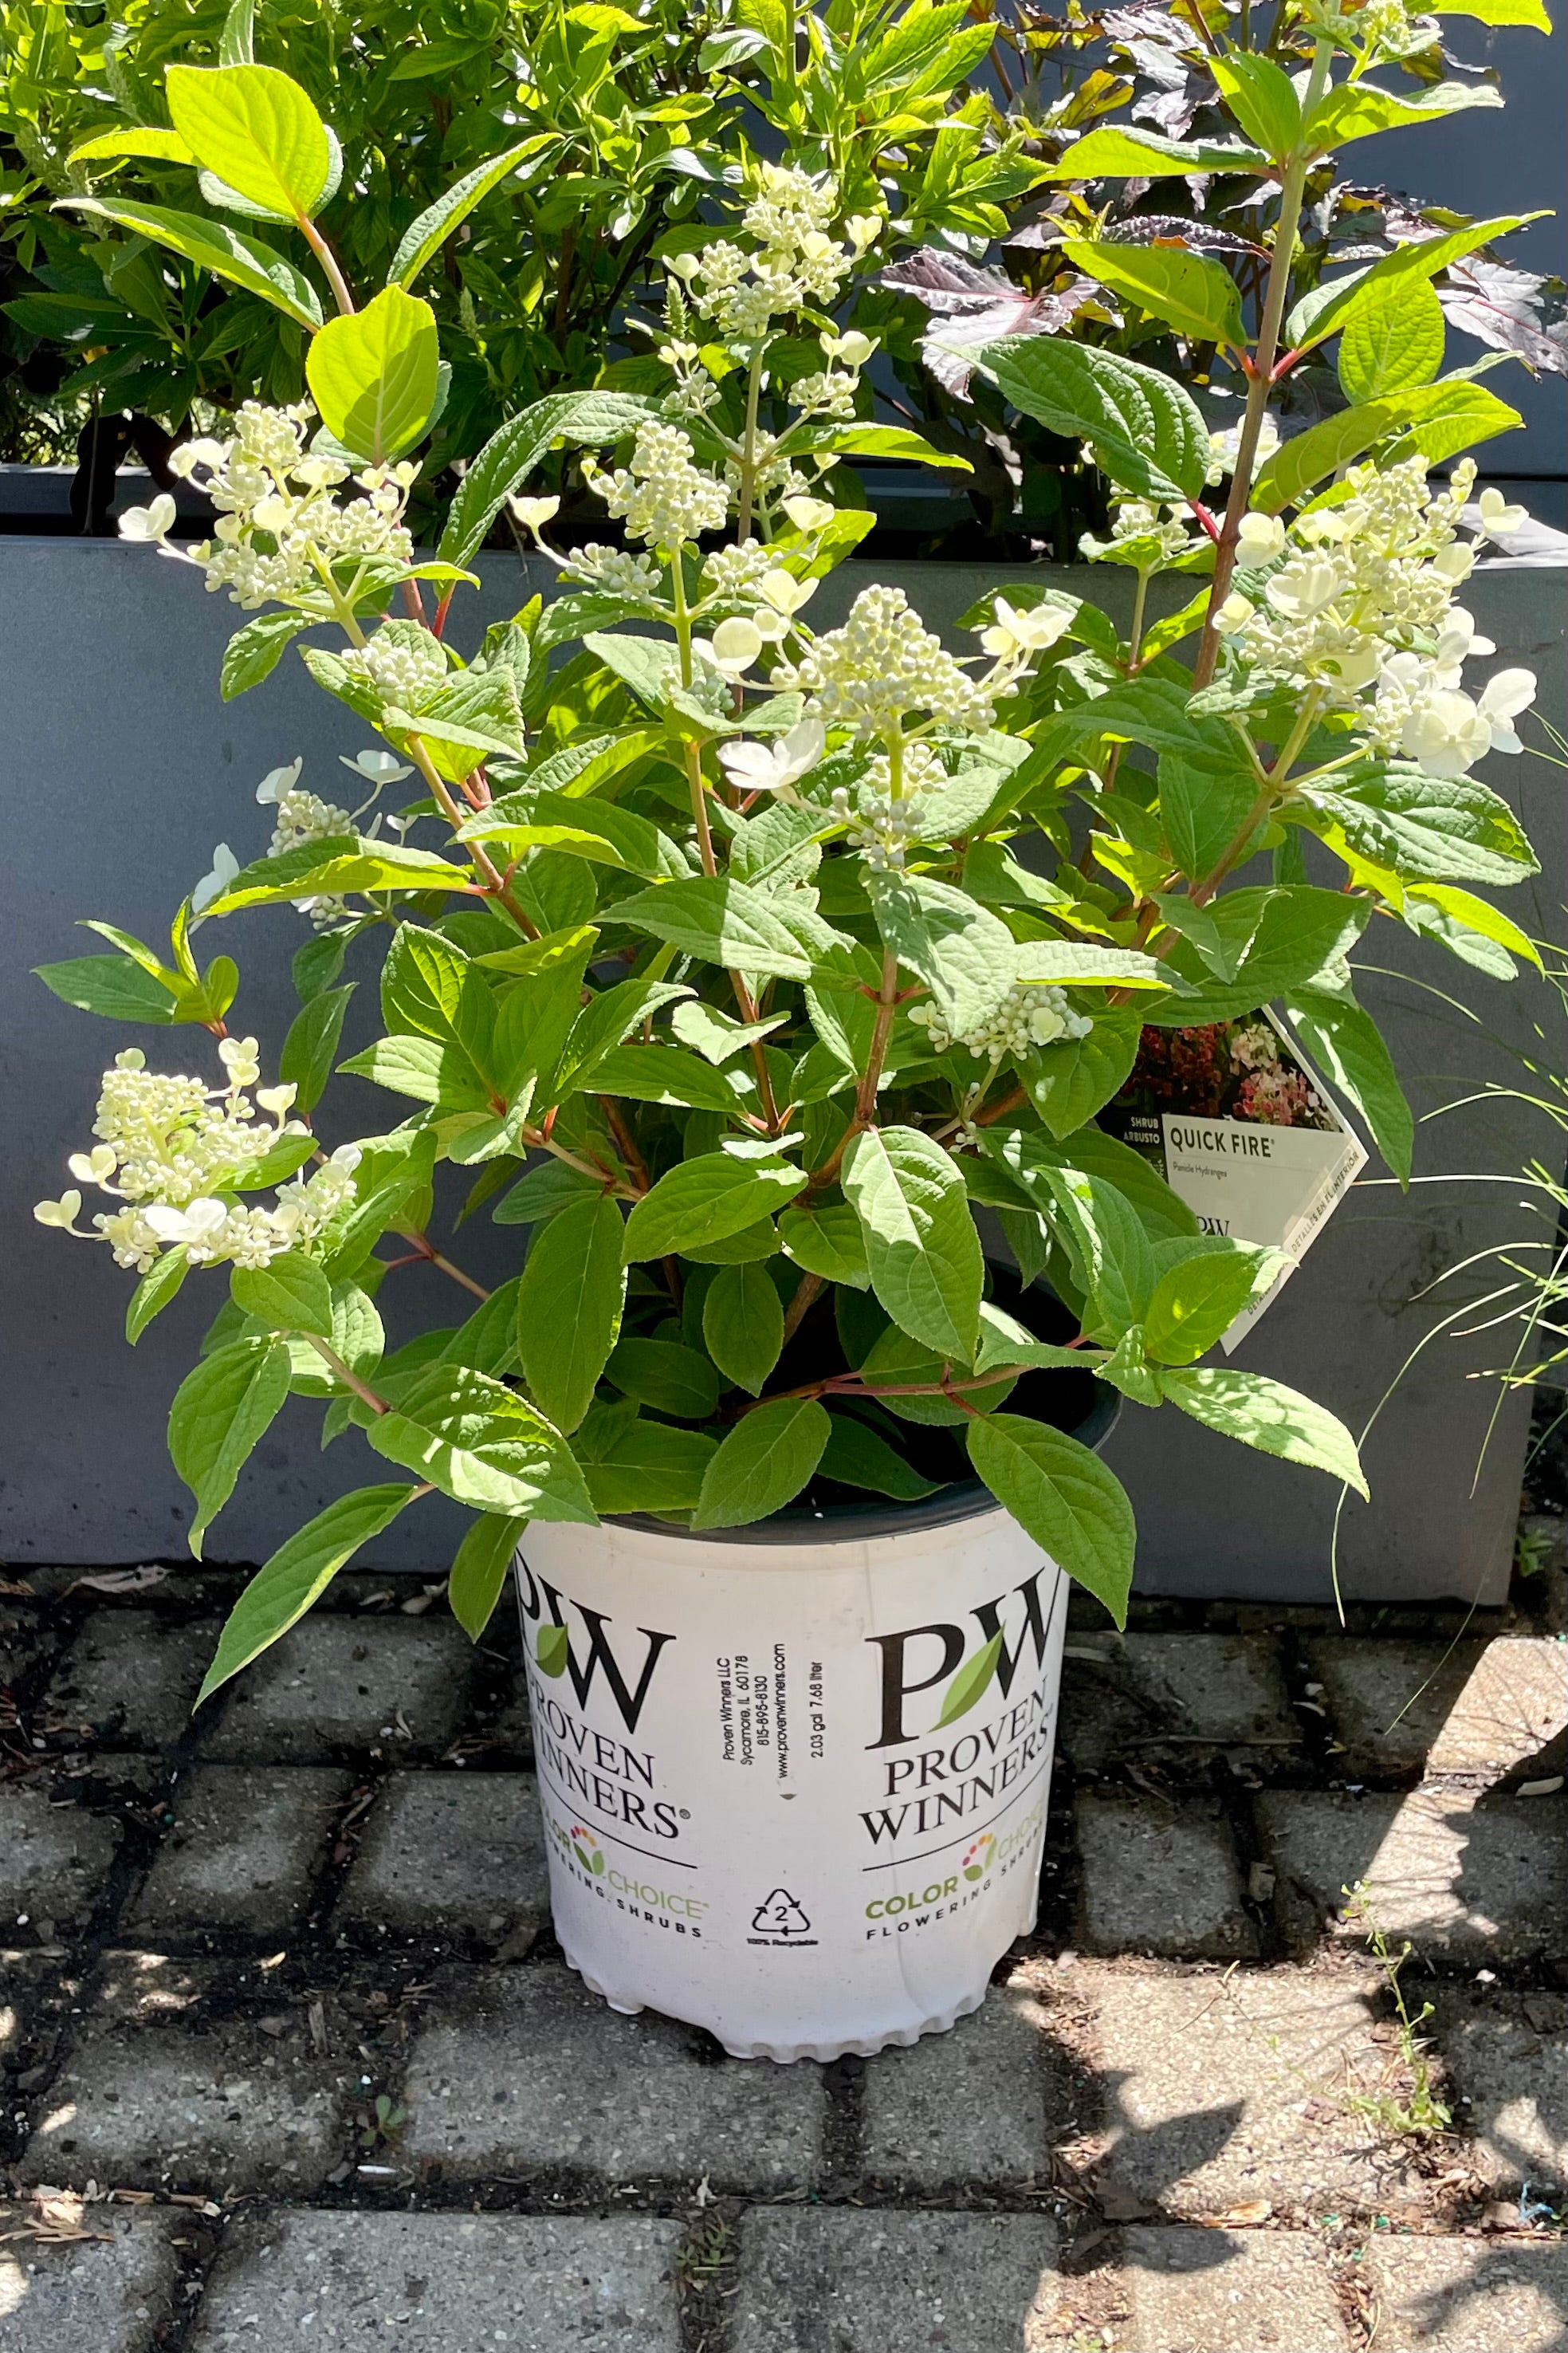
289	2055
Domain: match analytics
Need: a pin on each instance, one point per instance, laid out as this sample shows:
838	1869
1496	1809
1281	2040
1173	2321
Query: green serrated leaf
743	1324
763	1463
1062	1495
221	1410
374	375
479	1570
922	1248
255	130
1266	1414
707	1200
298	1573
289	1294
569	1307
422	238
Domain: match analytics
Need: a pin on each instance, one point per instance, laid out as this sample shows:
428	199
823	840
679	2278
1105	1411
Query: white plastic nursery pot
755	1818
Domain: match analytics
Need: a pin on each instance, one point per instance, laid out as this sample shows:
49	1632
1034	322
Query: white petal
1511	691
278	781
754	762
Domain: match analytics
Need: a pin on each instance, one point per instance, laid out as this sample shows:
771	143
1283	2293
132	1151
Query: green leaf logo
971	1683
550	1650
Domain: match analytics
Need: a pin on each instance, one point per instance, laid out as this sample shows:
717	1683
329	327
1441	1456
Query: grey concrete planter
120	768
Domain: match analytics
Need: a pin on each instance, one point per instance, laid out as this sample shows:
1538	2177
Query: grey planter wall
120	769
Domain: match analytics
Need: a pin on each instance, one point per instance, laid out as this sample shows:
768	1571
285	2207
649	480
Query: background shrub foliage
630	127
754	961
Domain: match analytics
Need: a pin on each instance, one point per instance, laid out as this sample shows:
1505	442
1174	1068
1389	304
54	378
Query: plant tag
1243	1129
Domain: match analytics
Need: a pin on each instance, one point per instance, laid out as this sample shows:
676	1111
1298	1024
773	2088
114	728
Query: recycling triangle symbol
779	1915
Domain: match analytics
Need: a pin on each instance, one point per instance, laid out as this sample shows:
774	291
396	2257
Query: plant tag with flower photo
1241	1126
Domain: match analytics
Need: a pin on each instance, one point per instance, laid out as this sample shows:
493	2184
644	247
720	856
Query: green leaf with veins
222	1409
482	1444
211	245
965	956
827	1242
1394	342
255	130
1062	1495
1266	1414
1195	295
743	1323
707	1200
763	1463
479	1570
569	1304
1148	433
921	1246
1196	1302
666	1376
374	375
857	1457
1347	1046
647	1466
298	1573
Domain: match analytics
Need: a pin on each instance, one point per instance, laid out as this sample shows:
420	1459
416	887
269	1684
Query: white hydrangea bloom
151	524
402	661
279	522
1362	609
828	393
797	263
1446	733
172	1150
1018	635
1029	1015
884	665
615	569
1137	520
1498	517
1259	539
302	818
664	498
735	571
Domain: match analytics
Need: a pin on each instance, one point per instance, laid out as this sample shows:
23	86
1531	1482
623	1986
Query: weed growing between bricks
333	1989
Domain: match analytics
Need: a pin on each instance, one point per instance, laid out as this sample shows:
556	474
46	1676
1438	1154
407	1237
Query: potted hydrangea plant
772	979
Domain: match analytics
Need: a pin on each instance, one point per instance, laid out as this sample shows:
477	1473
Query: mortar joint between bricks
1317	1730
1239	1809
705	2272
842	2154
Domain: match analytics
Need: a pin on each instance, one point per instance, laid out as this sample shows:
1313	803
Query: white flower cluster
1379	28
797	264
664	498
1140	533
402	661
303	817
279	527
1028	1016
173	1149
882	666
737	571
882	830
1359	604
614	569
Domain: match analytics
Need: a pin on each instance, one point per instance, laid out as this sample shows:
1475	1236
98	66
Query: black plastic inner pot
825	1512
